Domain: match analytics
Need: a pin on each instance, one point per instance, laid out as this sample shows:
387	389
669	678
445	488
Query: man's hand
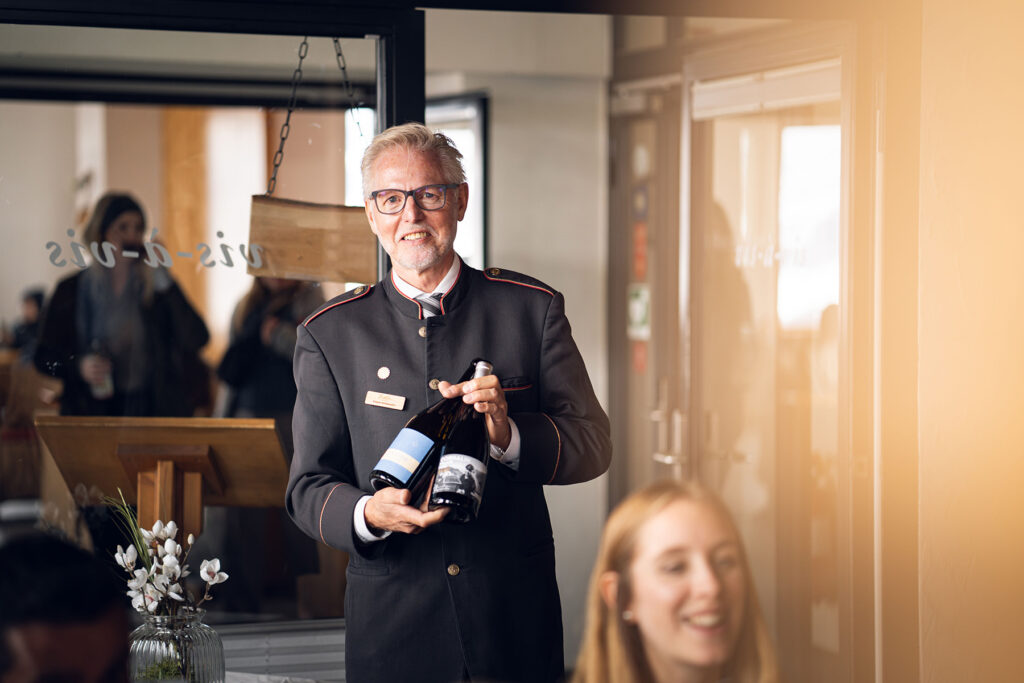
487	397
389	509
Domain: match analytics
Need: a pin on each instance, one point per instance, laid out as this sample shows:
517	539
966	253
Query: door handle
671	437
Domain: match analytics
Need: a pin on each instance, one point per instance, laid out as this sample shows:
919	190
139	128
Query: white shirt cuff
510	456
362	529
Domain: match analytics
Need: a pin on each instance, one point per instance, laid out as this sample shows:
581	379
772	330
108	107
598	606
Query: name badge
375	398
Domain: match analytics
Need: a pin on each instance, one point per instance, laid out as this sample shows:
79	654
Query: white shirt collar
446	283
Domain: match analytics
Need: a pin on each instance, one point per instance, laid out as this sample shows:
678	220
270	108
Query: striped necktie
431	304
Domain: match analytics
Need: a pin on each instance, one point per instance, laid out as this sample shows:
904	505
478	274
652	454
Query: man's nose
411	211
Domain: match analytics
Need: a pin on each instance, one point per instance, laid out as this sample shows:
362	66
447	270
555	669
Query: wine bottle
462	466
411	459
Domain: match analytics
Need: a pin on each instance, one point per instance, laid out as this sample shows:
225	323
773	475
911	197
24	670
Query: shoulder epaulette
514	278
349	296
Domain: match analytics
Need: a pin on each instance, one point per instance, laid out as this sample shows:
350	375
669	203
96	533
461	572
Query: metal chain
296	77
349	92
286	126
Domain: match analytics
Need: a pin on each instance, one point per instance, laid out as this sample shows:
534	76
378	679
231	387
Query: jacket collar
449	301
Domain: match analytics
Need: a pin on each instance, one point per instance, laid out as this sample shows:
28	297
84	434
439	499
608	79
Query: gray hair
417	138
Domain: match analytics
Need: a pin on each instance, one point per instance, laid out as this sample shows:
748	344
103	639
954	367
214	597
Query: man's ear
608	584
463	191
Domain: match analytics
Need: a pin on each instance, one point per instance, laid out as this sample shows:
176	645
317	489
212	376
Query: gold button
453	570
495	271
433	384
423	331
359	289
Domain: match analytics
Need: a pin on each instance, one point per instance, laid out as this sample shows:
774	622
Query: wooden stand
171	466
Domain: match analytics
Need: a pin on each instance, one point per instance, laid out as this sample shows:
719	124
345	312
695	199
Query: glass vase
179	647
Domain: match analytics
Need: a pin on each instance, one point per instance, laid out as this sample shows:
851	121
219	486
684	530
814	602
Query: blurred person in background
122	337
22	335
257	366
671	598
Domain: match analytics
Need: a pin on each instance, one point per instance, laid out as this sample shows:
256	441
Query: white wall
548	203
134	148
38	147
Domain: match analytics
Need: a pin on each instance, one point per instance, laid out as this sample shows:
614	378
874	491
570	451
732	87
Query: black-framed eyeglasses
428	198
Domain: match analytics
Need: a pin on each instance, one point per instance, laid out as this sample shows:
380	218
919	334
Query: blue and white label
405	454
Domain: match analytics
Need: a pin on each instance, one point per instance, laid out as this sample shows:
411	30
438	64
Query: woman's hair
612	650
417	138
262	295
107	209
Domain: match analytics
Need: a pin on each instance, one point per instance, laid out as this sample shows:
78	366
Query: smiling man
428	600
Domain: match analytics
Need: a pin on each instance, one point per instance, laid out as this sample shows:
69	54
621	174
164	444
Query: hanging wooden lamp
306	240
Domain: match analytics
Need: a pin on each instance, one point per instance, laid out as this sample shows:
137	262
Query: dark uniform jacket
479	597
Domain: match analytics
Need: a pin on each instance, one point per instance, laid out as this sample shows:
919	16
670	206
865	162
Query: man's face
85	652
419	242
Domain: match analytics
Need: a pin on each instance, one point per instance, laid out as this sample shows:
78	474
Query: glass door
766	228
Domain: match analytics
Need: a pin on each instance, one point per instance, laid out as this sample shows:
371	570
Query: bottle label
461	474
405	454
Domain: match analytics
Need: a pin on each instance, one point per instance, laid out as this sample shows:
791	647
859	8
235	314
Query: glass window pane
187	143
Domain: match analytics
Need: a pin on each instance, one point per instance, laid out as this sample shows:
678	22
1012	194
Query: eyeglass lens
428	198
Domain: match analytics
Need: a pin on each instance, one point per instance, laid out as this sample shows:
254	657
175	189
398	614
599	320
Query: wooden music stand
171	466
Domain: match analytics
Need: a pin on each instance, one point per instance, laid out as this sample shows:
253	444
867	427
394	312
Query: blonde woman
671	598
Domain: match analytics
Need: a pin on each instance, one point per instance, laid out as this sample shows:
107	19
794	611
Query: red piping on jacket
521	284
558	456
415	301
319	313
331	493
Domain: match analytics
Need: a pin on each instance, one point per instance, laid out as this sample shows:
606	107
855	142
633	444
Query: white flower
141	577
165	573
191	539
149	536
160	532
138	601
171	568
174	591
152	597
211	573
126	558
171	547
